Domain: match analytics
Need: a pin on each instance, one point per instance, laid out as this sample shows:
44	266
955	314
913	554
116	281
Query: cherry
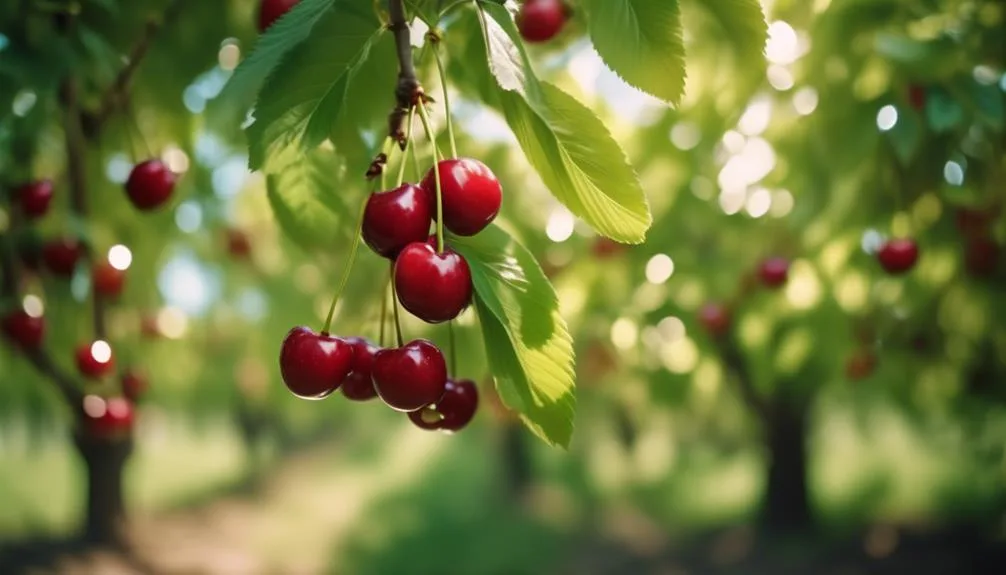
150	184
108	418
774	271
981	256
61	255
134	385
899	255
860	365
458	405
358	385
238	244
410	377
433	287
715	318
271	10
470	192
975	221
426	418
541	20
396	218
313	365
35	198
95	360
603	248
23	330
917	96
107	279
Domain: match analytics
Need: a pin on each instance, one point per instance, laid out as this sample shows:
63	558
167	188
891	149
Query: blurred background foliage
873	119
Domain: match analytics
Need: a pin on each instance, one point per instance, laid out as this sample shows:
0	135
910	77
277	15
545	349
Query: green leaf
942	111
282	37
640	40
301	101
570	148
528	345
307	200
744	24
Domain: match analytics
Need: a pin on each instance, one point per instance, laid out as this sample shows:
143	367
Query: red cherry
108	280
774	271
974	221
108	418
917	96
899	255
396	218
471	195
605	247
313	365
150	184
358	385
271	10
541	20
134	385
860	365
426	418
238	244
433	287
458	406
410	377
61	255
92	361
981	256
715	318
35	198
22	329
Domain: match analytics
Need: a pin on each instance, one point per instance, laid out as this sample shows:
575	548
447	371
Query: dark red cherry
898	255
860	365
95	360
981	256
238	244
917	96
150	184
108	418
715	318
35	198
471	195
458	405
358	385
134	385
396	218
108	280
410	377
61	255
23	330
271	10
541	20
312	364
603	248
433	287
426	418
774	271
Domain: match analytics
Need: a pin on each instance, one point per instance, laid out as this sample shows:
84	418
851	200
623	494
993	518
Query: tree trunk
786	505
105	511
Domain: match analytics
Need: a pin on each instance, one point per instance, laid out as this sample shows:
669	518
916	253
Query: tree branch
408	91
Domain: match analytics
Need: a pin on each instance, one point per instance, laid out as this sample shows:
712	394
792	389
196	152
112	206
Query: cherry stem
386	149
436	176
454	353
447	100
415	164
346	271
394	308
384	315
408	144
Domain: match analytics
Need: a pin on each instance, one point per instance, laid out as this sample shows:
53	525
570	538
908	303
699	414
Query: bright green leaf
528	345
744	24
641	41
308	200
301	101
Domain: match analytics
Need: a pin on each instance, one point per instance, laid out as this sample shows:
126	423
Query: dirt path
292	526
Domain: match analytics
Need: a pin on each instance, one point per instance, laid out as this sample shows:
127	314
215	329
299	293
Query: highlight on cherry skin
94	359
395	218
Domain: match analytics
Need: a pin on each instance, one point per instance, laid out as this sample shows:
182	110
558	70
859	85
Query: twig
408	91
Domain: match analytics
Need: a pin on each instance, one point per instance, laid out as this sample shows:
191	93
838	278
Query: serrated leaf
301	101
308	200
527	342
282	37
570	148
641	41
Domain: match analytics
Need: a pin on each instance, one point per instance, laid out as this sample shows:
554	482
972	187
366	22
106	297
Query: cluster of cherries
149	186
431	281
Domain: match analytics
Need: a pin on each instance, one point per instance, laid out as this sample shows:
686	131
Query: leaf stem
436	176
408	144
451	7
394	308
447	100
346	271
